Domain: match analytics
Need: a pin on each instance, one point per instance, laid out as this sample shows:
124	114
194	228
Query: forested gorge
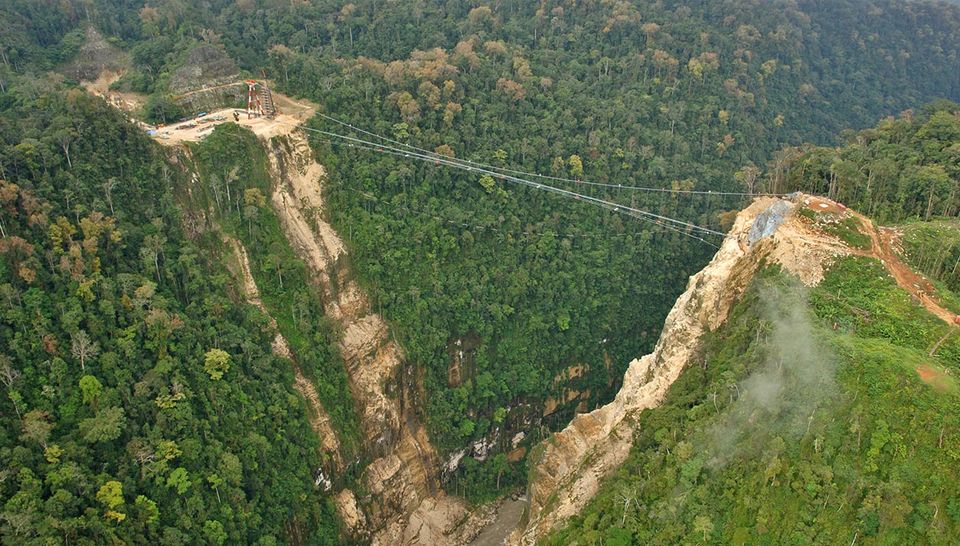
141	400
142	396
654	95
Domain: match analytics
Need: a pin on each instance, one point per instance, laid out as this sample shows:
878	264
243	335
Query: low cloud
795	380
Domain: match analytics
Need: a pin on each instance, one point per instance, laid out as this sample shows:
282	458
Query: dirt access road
881	248
881	242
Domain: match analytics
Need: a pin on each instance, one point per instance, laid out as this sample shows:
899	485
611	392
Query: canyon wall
572	463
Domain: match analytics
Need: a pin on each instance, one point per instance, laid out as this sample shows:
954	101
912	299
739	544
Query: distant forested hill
668	94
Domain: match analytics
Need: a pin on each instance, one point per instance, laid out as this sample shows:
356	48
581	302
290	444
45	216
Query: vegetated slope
934	248
232	192
266	192
655	93
141	399
817	416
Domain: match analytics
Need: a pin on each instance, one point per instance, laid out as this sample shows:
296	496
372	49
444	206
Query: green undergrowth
828	424
934	249
848	230
233	157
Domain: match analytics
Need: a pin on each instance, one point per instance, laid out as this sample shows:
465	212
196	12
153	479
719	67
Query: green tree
216	362
215	481
105	426
91	389
214	533
110	495
487	182
179	480
703	525
576	166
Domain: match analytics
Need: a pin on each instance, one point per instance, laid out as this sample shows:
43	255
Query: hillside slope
142	399
814	405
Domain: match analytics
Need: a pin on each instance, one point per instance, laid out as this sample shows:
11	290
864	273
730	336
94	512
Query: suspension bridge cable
547	177
403	154
367	196
665	221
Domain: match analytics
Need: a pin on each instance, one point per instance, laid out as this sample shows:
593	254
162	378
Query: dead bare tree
83	348
9	375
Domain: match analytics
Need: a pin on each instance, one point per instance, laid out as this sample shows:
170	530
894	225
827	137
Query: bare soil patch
914	283
934	377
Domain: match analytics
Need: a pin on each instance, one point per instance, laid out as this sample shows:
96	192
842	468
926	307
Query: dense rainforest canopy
113	316
141	399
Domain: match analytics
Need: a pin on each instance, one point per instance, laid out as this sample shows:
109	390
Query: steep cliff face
319	419
402	469
568	471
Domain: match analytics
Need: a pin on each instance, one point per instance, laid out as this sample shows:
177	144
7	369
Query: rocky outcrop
574	461
402	471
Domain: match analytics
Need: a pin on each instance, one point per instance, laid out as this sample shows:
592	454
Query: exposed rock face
402	473
96	56
569	471
319	419
205	66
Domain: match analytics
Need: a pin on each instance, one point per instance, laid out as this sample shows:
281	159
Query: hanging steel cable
547	177
679	226
665	221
